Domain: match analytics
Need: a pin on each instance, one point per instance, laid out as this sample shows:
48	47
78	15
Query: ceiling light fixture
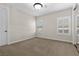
37	5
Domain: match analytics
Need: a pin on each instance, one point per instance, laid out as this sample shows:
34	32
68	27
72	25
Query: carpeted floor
39	47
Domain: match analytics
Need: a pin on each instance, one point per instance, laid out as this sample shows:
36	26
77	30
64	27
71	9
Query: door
76	24
3	26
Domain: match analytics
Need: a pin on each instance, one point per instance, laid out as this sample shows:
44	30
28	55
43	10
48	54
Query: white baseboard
29	37
55	39
77	42
32	36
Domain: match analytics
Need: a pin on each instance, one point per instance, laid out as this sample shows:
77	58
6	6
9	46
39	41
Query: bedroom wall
50	26
21	26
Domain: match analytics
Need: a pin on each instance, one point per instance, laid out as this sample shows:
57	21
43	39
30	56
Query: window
39	26
64	25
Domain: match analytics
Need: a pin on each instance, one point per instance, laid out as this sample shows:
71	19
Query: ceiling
48	8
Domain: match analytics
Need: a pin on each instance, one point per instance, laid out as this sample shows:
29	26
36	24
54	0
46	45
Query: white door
3	26
76	24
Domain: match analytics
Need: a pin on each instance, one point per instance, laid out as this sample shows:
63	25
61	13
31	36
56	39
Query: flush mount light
37	5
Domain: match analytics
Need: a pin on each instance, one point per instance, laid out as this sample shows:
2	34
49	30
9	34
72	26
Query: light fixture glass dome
37	5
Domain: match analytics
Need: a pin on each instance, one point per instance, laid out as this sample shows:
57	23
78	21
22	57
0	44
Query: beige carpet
39	47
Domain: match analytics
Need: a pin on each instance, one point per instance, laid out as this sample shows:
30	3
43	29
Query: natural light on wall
33	25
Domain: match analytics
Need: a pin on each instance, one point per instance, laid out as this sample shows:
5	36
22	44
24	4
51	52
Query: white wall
21	26
50	26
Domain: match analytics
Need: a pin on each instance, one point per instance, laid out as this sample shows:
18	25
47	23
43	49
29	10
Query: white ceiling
48	8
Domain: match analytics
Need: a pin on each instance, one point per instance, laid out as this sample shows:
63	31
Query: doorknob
5	30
